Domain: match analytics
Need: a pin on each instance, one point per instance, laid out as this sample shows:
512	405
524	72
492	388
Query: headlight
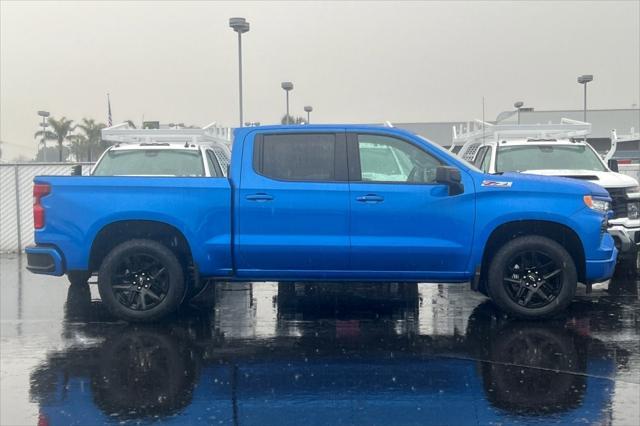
596	204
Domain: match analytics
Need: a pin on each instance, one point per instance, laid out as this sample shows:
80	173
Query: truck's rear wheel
141	280
532	277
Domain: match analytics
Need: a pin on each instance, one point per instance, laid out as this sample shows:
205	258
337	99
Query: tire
79	277
532	277
141	281
144	372
524	359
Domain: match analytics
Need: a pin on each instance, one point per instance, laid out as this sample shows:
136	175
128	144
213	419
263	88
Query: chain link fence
16	200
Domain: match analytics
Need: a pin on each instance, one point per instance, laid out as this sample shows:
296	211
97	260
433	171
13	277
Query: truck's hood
604	179
550	183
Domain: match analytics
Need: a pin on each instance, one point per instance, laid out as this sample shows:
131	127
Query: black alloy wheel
140	281
533	279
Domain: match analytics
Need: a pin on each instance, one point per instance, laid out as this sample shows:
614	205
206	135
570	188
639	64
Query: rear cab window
150	162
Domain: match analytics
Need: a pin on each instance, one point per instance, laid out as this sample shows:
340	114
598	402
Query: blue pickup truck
325	203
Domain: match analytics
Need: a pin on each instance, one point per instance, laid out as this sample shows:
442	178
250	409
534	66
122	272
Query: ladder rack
124	133
480	131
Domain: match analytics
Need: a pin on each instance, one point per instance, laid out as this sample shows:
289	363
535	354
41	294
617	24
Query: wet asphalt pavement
316	354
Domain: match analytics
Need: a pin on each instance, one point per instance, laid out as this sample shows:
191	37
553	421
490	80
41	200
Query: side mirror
450	176
613	165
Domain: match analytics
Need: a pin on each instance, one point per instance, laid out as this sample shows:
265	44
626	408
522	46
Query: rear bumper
44	260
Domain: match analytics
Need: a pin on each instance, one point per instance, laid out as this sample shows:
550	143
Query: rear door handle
370	198
259	197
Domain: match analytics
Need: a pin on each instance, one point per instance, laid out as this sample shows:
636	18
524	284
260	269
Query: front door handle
370	198
259	197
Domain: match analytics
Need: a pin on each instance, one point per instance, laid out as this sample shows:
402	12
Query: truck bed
78	207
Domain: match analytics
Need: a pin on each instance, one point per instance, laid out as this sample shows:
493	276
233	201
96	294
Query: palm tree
92	134
60	133
79	143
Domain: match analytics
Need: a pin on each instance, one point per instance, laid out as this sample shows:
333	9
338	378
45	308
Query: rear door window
297	157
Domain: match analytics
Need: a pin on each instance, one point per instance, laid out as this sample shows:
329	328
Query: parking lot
335	354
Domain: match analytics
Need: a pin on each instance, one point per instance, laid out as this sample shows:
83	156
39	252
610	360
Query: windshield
547	157
150	162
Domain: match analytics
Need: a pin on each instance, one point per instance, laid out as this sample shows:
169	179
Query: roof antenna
388	124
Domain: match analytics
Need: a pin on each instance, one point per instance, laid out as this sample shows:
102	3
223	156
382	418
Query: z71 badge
499	184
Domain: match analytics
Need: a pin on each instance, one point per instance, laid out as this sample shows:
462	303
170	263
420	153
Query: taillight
39	191
43	420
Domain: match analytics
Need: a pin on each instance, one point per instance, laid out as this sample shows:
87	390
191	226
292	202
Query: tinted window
214	168
304	157
480	157
150	162
386	159
486	163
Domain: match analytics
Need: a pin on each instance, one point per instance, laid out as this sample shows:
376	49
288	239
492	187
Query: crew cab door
403	223
293	205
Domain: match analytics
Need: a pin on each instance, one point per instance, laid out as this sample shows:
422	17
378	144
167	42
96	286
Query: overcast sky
354	62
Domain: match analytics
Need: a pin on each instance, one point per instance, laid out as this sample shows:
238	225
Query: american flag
109	119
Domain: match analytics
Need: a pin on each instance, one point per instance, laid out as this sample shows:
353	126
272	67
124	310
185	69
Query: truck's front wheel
141	280
532	277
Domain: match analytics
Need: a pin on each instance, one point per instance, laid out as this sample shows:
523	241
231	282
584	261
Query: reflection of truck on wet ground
559	150
376	370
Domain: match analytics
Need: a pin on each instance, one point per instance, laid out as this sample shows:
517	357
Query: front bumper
602	269
627	239
44	260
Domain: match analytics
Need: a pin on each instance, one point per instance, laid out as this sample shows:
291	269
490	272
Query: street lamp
287	86
44	124
584	79
518	105
308	109
239	25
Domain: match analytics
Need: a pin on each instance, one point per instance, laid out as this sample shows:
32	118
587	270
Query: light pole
308	109
44	125
287	86
584	79
239	25
518	105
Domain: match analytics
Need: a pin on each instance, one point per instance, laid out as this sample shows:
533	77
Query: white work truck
168	151
557	150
